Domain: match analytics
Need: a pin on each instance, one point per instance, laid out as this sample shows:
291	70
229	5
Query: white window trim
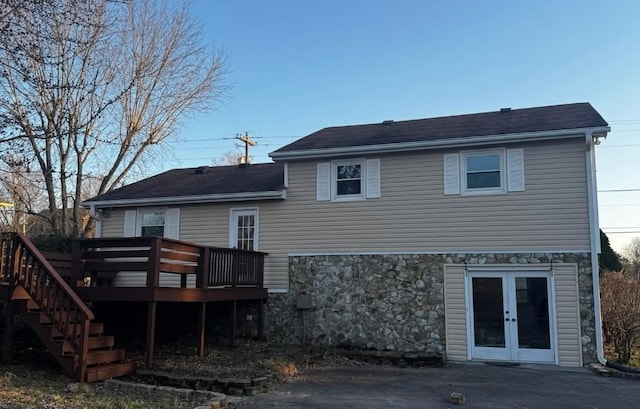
334	180
483	191
233	225
139	219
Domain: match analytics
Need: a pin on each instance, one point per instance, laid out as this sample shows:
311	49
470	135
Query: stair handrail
84	315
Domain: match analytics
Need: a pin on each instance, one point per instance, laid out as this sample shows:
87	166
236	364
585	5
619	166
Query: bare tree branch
90	88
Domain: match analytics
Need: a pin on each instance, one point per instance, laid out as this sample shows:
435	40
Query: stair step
19	293
99	342
98	373
52	302
58	315
105	356
96	328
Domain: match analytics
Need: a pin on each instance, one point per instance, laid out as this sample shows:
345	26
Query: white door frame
511	351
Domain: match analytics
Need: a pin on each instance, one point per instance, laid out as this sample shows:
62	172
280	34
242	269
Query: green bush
53	243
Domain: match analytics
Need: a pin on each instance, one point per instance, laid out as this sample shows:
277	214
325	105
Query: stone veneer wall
391	302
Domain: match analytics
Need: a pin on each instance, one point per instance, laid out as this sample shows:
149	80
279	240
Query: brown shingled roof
263	177
548	118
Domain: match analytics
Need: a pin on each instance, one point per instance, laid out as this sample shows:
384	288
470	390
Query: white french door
510	316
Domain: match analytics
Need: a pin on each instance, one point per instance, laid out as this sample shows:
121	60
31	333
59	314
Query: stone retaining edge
204	399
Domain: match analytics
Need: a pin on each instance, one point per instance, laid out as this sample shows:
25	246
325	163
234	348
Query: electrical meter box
303	301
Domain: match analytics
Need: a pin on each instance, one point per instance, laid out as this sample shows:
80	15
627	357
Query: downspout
594	232
94	214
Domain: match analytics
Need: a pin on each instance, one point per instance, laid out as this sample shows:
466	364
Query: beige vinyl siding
455	312
414	214
113	223
565	278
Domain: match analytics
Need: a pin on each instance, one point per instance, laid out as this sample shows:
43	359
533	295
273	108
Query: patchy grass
25	386
610	353
38	384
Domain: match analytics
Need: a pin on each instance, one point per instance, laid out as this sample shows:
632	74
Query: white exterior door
243	229
510	316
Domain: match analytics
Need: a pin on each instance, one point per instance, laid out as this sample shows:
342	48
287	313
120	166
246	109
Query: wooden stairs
60	319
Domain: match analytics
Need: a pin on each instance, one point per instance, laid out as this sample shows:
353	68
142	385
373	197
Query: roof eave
435	144
174	200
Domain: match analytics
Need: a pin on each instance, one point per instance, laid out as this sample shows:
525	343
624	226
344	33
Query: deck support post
260	319
151	333
234	313
202	325
7	342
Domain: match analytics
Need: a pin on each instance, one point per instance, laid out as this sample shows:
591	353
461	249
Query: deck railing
23	265
99	262
233	267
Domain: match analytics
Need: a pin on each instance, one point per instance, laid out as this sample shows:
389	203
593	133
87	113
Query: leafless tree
91	89
22	193
631	258
228	158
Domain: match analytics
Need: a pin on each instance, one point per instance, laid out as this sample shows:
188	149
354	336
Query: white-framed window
152	222
489	171
348	179
243	229
483	171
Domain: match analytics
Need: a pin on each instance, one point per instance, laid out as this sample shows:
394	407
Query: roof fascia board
222	197
436	144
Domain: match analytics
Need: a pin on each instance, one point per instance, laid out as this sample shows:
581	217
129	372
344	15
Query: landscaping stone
457	398
203	385
205	399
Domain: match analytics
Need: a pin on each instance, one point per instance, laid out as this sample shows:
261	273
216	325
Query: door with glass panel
510	316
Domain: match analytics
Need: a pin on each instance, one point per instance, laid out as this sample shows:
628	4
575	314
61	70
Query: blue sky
299	66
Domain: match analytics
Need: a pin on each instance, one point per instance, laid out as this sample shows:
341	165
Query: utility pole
246	139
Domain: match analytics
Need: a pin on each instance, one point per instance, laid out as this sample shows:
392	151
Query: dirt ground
35	381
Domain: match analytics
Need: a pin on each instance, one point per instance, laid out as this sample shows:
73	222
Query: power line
620	204
618	190
619	228
618	146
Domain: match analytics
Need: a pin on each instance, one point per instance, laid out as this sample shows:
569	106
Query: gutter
222	197
438	144
592	192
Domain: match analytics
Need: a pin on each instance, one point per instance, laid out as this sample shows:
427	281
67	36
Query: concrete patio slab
484	386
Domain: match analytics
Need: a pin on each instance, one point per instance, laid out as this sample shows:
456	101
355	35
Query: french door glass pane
245	234
488	312
533	313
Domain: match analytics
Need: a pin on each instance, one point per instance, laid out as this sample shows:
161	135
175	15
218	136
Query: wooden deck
171	270
147	270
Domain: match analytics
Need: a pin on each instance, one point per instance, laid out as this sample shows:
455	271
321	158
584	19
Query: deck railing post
260	271
76	264
153	269
204	267
83	349
236	268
